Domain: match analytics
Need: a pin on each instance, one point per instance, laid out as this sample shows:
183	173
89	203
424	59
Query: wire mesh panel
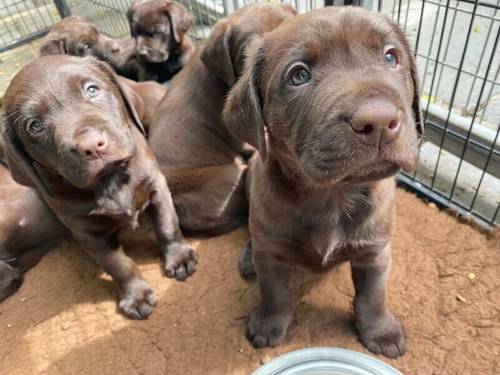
23	20
456	44
110	16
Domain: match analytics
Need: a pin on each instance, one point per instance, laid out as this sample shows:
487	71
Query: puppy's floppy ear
132	8
243	114
20	164
416	107
180	19
216	54
132	101
135	100
130	14
53	47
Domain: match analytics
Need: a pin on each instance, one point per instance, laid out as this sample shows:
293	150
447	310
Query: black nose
376	121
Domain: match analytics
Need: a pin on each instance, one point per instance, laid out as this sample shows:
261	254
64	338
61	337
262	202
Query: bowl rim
351	357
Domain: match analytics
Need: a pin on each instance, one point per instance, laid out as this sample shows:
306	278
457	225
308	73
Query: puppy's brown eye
299	76
391	58
35	127
92	91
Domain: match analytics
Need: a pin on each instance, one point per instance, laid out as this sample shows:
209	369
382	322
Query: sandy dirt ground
444	286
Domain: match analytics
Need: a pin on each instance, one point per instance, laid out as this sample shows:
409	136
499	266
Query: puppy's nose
376	122
92	144
143	51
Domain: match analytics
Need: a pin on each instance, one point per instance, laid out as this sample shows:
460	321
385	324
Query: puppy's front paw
267	329
385	336
137	299
180	261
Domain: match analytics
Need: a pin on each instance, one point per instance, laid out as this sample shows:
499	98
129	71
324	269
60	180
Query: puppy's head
69	116
75	36
223	52
336	92
158	26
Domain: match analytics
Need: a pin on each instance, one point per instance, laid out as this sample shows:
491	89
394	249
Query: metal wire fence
456	45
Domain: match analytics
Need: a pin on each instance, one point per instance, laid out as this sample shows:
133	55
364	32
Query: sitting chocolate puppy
205	168
334	115
72	132
160	31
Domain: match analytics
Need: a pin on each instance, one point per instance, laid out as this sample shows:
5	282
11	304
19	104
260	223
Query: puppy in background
162	45
77	37
81	144
330	100
204	164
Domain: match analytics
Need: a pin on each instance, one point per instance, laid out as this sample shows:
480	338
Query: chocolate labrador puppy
330	100
77	37
201	160
81	144
24	239
160	30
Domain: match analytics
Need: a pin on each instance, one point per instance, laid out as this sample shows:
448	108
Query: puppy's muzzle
376	122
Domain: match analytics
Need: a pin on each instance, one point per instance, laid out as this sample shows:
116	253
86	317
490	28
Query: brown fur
92	166
321	190
204	165
77	37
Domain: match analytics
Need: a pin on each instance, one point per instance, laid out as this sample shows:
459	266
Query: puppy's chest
331	237
124	200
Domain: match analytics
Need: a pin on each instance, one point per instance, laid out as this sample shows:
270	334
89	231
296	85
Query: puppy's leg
378	329
180	258
210	200
136	298
245	262
268	323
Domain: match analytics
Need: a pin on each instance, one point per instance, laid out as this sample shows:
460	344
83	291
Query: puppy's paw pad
388	338
180	261
138	301
267	329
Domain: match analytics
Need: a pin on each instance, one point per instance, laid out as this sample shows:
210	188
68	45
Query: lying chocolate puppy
77	37
330	100
81	144
160	30
203	163
24	238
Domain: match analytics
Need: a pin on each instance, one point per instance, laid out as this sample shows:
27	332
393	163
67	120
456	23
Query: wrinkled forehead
49	85
259	18
331	33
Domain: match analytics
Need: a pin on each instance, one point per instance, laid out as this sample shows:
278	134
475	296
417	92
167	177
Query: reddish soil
444	286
